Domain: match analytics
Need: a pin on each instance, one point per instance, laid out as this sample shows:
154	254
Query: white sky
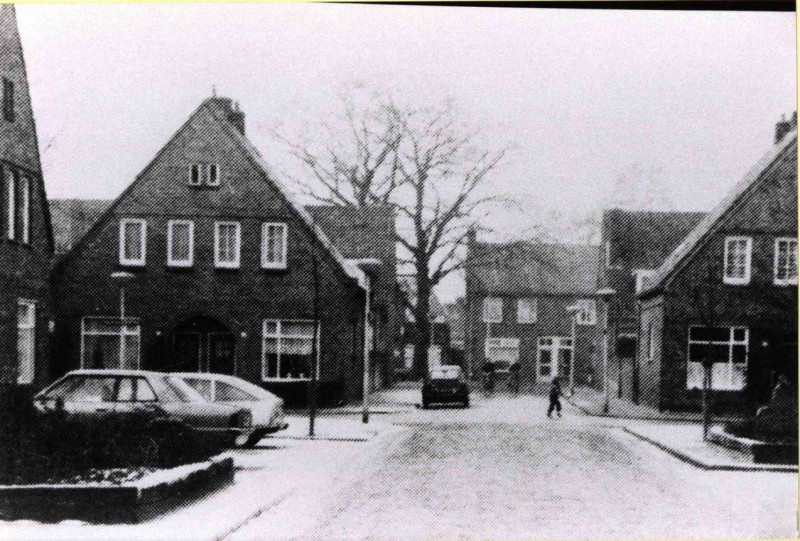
581	95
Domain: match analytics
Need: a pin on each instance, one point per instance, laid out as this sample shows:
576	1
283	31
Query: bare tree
425	163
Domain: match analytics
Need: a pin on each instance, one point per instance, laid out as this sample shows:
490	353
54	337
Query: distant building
219	266
456	312
728	292
26	243
633	246
517	300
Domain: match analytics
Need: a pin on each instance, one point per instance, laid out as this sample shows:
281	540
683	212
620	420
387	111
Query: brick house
206	263
728	291
362	235
26	243
517	299
633	246
367	236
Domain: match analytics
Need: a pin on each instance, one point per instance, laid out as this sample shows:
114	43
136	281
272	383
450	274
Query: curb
705	465
587	412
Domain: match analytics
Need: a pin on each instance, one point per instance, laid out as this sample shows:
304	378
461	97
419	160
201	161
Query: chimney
785	126
236	117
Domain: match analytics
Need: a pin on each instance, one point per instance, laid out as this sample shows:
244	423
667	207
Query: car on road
445	385
175	407
265	407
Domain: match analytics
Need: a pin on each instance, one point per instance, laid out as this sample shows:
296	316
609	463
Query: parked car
445	385
265	407
174	405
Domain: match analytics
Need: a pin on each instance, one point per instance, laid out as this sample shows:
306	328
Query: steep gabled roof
72	219
643	239
359	232
218	108
533	268
712	221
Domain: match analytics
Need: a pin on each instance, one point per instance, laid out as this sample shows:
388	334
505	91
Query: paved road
501	470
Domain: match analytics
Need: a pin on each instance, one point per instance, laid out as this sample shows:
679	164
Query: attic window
8	100
204	174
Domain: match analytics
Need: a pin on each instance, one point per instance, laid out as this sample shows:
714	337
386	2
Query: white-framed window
726	348
132	242
738	253
11	204
25	209
273	245
503	352
785	261
204	174
526	311
587	312
642	276
227	244
180	243
408	356
108	342
26	341
493	310
287	347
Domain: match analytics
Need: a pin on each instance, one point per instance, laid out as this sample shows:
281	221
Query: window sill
785	283
227	267
133	264
286	380
274	267
176	267
735	282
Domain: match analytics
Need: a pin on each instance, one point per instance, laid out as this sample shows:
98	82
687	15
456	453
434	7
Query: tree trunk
422	325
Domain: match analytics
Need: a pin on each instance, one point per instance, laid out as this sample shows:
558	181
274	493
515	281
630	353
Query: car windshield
84	389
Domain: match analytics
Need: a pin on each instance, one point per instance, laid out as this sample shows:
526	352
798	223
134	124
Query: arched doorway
202	344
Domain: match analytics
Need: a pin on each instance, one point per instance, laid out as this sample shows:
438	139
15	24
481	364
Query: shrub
37	448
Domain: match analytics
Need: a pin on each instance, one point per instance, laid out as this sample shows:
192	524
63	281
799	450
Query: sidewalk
685	442
591	401
329	429
267	476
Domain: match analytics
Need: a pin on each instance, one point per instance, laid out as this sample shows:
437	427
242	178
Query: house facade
728	295
633	246
26	244
534	304
206	263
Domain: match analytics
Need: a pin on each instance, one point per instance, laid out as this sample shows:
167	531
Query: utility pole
605	294
312	399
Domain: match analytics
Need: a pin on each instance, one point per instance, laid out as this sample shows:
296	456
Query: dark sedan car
445	385
173	405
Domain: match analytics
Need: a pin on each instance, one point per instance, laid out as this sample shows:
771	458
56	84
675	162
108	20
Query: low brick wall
150	496
761	452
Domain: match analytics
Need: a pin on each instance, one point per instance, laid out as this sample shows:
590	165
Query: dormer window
204	174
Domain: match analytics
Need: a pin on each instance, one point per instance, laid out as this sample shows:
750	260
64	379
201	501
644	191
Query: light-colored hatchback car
94	394
265	407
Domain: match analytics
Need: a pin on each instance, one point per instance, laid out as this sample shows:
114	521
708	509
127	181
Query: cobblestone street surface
502	470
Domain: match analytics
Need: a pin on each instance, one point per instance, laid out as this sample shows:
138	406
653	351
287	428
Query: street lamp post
572	310
605	294
122	276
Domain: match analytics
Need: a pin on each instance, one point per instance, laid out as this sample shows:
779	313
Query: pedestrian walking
555	394
488	377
